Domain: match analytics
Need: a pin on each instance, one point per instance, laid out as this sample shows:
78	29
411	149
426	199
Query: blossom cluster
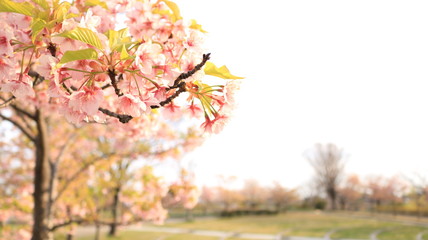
70	59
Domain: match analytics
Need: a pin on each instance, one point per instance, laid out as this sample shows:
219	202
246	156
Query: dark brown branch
25	121
37	77
66	88
24	112
20	127
112	76
181	89
20	110
64	224
7	102
188	74
123	118
106	86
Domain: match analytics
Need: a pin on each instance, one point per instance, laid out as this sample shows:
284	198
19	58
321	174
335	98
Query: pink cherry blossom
87	100
146	55
128	104
195	111
45	64
20	88
194	41
216	125
89	21
6	34
7	68
171	110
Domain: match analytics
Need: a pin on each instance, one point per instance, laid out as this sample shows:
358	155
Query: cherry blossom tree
76	163
185	192
282	197
69	59
254	194
350	193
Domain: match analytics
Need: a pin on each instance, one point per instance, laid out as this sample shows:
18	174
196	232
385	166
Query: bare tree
327	161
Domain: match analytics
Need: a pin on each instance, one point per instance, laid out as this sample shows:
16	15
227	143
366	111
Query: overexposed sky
354	73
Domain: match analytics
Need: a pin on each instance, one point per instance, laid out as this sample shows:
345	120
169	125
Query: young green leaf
36	27
88	53
84	35
175	10
221	72
61	11
196	26
124	54
92	3
117	38
42	3
23	8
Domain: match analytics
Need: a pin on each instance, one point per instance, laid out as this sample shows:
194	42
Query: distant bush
246	212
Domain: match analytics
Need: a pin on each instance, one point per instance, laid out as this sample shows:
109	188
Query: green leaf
23	8
88	53
37	26
61	11
92	3
124	54
175	10
117	38
222	72
84	35
196	26
42	3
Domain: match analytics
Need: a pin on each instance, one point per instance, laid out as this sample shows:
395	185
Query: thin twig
18	125
7	102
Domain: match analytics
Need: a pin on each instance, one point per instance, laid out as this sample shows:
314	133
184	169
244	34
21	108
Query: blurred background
331	122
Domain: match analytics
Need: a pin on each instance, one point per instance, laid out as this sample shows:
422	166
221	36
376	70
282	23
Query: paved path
420	235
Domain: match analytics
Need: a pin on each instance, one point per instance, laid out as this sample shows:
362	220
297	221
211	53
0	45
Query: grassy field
294	224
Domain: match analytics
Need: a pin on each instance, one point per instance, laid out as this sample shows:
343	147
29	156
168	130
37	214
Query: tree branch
27	124
123	118
181	88
76	174
188	74
7	102
112	76
20	127
69	222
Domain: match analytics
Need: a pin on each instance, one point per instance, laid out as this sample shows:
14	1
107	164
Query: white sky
354	73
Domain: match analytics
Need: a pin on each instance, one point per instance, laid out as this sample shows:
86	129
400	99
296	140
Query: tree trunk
331	193
114	212
189	215
97	231
42	181
70	236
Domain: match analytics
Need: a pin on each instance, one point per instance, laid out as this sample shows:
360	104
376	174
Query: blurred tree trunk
115	212
42	182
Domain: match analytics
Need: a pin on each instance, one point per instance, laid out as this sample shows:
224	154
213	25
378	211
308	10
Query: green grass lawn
403	232
302	224
292	224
